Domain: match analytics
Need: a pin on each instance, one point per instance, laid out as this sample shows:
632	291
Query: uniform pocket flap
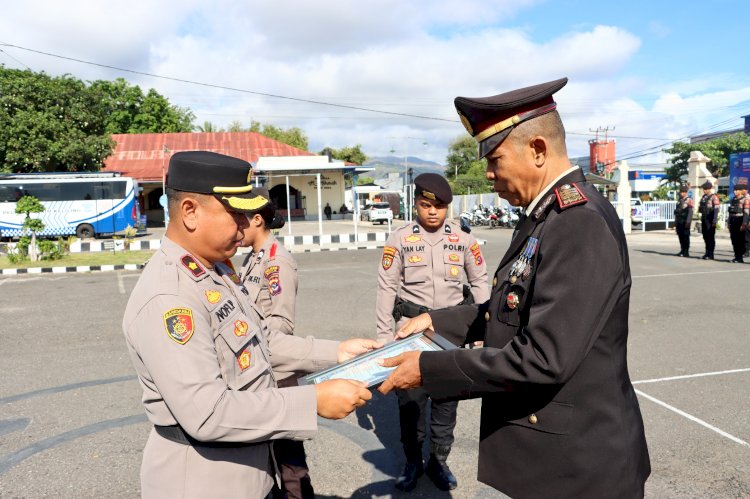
237	333
555	418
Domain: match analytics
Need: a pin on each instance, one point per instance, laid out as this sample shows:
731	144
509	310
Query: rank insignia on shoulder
244	359
453	238
272	252
213	296
569	195
272	276
412	239
240	328
540	210
388	253
415	259
194	267
179	324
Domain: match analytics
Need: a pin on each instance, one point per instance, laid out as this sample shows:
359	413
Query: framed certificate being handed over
366	368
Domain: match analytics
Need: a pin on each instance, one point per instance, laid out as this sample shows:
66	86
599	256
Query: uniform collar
547	188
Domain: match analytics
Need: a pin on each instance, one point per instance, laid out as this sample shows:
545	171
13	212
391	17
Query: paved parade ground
72	424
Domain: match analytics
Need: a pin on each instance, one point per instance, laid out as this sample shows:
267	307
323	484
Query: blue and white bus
84	204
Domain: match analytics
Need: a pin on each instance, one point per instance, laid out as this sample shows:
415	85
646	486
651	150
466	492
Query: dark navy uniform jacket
560	417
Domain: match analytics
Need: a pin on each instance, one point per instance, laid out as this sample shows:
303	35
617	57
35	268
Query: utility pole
408	194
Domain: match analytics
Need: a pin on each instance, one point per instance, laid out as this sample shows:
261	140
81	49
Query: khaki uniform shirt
203	358
429	268
271	278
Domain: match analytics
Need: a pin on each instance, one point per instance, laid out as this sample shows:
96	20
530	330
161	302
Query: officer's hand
349	349
415	325
337	398
406	375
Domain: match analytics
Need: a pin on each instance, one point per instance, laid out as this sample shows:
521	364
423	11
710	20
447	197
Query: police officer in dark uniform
560	417
709	210
683	218
739	213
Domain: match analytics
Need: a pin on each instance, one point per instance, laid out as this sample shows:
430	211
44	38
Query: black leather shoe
440	474
737	260
408	479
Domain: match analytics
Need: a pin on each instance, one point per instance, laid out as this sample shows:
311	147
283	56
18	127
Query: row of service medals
521	268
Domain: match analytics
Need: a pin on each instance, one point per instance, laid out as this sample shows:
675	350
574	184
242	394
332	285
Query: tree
26	206
294	136
50	124
209	127
128	110
717	150
465	167
351	154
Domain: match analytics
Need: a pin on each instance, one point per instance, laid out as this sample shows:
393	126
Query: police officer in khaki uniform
424	265
270	275
203	355
683	218
739	216
560	417
709	210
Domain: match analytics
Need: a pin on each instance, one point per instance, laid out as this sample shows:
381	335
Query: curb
67	270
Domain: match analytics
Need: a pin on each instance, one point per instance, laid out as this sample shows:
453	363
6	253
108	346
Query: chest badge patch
453	257
569	195
179	324
512	300
240	328
388	254
244	359
453	238
413	239
194	267
213	296
455	271
415	259
272	276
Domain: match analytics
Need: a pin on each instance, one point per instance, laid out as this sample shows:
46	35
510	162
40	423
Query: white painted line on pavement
120	283
687	376
693	418
691	273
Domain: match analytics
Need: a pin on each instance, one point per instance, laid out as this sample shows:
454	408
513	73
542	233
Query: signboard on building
739	166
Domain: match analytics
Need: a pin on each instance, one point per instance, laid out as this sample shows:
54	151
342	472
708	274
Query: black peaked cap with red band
490	119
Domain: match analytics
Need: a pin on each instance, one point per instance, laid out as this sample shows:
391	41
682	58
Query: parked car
377	212
636	210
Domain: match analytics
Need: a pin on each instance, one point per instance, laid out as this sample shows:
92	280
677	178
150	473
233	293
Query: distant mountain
389	164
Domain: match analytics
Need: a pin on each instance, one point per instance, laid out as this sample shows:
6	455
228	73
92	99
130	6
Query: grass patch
79	259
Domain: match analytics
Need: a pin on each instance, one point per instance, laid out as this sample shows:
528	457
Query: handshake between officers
560	417
204	356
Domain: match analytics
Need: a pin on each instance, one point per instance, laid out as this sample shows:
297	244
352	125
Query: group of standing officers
216	358
738	218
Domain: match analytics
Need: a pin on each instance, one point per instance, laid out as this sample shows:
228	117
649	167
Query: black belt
176	434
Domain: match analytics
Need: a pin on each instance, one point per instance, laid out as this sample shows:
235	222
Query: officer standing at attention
709	210
683	218
560	417
428	260
204	357
739	213
270	274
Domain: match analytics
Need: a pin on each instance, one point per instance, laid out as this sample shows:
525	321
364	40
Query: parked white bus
84	204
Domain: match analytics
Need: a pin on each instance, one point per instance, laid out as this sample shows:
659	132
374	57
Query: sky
649	72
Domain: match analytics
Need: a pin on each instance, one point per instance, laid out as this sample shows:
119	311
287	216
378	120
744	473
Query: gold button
486	316
494	282
533	419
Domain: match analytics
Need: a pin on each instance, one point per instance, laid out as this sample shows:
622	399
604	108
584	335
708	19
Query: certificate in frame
365	367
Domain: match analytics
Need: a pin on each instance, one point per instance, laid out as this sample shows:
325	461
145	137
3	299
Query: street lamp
408	194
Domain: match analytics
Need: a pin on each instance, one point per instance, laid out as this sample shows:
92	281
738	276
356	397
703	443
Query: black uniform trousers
709	236
683	233
412	405
737	236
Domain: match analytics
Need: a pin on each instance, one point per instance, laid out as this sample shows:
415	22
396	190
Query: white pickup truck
378	212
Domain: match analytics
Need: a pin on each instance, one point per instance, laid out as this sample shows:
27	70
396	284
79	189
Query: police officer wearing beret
683	218
560	417
204	356
269	273
424	265
739	216
709	210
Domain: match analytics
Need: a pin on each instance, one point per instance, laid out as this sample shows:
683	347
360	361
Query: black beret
206	172
683	188
490	119
707	185
433	186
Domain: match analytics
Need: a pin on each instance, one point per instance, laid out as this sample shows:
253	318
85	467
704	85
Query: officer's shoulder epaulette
569	195
192	267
